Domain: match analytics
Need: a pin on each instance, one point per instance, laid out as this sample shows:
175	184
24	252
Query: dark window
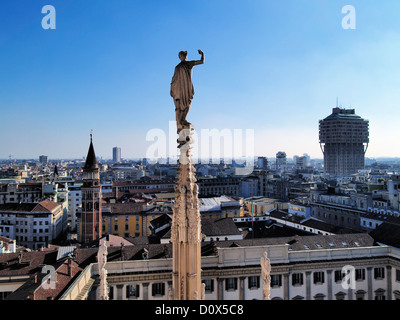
158	289
132	291
230	284
339	275
360	274
379	273
209	285
297	279
319	277
276	280
254	282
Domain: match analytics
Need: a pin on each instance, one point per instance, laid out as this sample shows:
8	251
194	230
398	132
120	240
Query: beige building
259	206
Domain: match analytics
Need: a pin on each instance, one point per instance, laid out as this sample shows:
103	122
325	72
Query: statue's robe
181	84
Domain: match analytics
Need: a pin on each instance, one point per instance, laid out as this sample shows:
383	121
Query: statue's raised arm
201	61
182	90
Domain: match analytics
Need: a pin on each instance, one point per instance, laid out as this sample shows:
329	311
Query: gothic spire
91	162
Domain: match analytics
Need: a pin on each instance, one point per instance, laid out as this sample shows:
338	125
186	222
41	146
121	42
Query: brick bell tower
91	195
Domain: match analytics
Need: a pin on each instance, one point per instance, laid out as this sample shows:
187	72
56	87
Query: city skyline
276	68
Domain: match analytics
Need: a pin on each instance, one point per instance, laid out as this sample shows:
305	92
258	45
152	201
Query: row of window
133	291
231	284
298	279
329	216
25	223
35	239
137	227
34	230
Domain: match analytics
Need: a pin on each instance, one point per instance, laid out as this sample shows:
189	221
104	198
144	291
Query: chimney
122	251
69	266
35	278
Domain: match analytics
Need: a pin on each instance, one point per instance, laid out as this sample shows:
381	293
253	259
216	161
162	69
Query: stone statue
182	90
101	261
266	275
102	255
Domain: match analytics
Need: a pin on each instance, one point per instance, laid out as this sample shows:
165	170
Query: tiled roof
44	206
387	233
285	216
115	241
47	205
124	208
142	182
313	223
34	288
312	242
219	227
25	263
5	239
85	256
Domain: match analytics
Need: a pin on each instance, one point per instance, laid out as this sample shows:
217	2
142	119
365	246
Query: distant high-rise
43	159
281	160
116	154
344	138
262	163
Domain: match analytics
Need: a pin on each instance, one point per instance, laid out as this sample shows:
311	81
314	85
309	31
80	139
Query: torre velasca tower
344	138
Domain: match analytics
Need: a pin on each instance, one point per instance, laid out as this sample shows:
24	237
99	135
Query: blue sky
276	67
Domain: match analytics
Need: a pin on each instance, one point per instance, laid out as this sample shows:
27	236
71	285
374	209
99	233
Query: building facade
21	192
219	186
129	219
32	225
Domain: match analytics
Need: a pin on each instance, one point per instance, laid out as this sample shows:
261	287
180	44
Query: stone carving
101	261
170	294
182	90
266	276
203	291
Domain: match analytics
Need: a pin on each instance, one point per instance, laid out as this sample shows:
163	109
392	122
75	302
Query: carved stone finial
101	261
266	276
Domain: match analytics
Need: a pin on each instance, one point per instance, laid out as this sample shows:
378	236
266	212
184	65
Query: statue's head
182	55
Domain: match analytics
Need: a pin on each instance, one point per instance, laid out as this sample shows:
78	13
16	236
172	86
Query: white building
127	172
32	225
74	204
303	268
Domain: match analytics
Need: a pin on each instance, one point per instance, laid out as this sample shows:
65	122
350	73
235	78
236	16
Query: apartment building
32	225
